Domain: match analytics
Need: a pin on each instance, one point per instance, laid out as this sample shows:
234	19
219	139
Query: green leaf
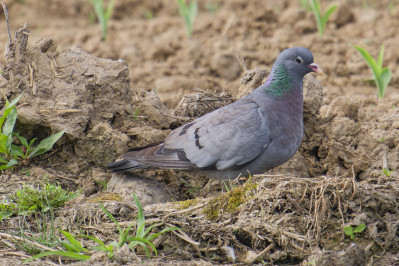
93	238
386	76
11	163
328	14
72	255
23	140
99	248
163	231
188	13
9	107
3	144
380	57
360	228
140	216
149	230
110	7
31	142
46	144
316	12
369	60
140	241
192	11
17	151
9	127
75	243
348	230
14	102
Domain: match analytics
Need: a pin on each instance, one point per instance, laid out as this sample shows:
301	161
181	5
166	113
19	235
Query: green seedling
213	6
11	154
321	19
103	14
43	198
136	113
350	231
43	233
7	209
382	76
143	237
386	172
188	13
75	250
148	14
306	5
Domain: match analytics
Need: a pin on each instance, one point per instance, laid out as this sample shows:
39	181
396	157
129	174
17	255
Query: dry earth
293	215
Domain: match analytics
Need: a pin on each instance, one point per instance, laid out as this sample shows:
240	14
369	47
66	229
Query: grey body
258	132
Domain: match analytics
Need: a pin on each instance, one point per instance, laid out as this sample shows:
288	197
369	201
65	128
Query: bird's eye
299	60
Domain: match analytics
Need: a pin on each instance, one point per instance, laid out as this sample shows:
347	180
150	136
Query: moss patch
187	203
108	196
229	201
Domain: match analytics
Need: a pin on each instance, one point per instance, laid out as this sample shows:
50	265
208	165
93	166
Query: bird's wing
231	136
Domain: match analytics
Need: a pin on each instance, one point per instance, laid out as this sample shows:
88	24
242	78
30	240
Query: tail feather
156	156
123	165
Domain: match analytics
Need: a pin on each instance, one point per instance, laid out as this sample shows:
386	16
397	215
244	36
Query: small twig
60	176
241	61
26	240
353	183
261	254
7	22
228	24
185	210
186	238
17	254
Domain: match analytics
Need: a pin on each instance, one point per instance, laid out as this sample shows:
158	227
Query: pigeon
260	131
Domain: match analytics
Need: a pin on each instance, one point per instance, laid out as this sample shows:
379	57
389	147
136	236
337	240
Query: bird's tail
124	165
155	156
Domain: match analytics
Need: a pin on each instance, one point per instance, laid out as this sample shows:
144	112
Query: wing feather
231	136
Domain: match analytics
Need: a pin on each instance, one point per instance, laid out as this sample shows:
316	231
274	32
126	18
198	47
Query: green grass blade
149	230
386	76
140	241
23	140
46	144
327	15
380	57
140	216
3	144
99	248
93	238
9	126
112	218
192	12
316	12
109	10
68	254
9	107
73	241
151	237
369	60
14	102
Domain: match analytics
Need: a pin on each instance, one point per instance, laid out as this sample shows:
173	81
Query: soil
149	77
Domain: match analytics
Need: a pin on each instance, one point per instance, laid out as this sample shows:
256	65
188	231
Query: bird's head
297	61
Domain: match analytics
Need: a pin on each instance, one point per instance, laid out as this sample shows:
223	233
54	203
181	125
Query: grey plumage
256	133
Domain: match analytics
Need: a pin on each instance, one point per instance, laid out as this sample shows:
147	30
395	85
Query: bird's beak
316	69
